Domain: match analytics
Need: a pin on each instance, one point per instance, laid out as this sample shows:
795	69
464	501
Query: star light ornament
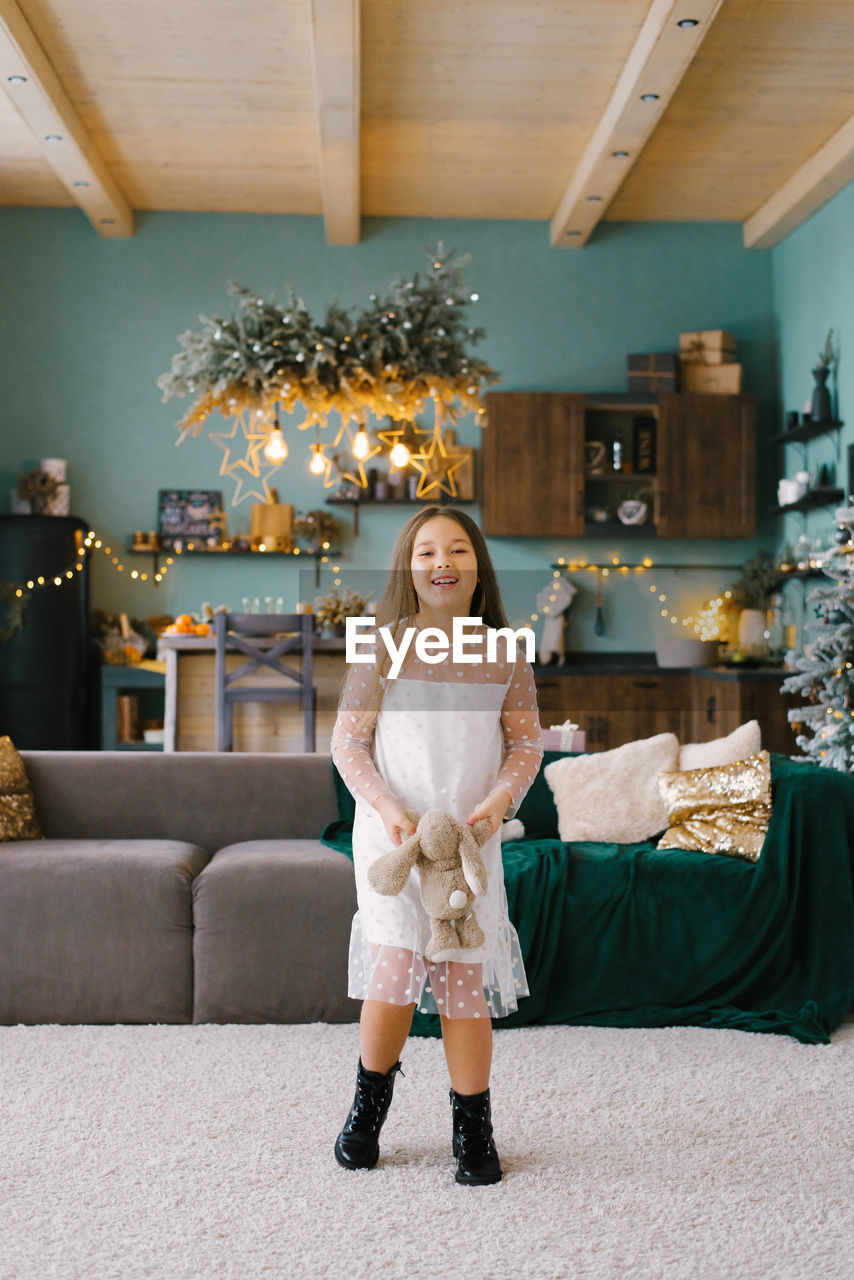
248	466
437	467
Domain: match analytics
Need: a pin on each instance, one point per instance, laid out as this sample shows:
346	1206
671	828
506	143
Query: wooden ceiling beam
336	67
661	55
60	136
822	176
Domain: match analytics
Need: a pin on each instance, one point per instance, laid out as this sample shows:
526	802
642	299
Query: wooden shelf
227	554
814	498
616	528
443	500
809	432
621	477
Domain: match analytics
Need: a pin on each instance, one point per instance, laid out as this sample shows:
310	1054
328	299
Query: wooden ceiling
453	108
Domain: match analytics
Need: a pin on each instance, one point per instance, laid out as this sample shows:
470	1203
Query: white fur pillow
613	795
744	741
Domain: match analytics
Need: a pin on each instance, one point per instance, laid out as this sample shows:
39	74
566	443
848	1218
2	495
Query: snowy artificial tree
825	670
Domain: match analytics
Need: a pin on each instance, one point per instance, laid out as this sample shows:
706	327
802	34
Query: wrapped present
716	379
707	346
564	737
653	371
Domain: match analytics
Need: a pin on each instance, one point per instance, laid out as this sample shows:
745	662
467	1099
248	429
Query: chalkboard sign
191	516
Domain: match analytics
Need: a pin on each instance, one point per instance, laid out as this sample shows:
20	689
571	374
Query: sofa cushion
744	741
209	798
725	809
613	795
538	812
17	808
272	932
97	930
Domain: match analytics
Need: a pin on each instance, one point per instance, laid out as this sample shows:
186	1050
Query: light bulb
276	448
399	455
361	445
317	466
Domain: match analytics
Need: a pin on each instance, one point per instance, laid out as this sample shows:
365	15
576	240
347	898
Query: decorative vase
751	628
632	511
334	631
820	406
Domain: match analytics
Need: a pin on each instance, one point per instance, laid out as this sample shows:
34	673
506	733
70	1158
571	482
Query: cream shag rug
206	1151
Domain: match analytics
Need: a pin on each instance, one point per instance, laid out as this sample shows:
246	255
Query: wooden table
258	726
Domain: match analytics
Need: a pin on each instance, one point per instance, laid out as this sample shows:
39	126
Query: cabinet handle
546	684
711	709
647	684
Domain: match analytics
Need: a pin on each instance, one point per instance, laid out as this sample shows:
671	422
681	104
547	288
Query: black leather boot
474	1150
358	1144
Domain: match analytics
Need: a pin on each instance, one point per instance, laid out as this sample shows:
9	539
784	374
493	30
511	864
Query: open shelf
814	498
226	553
811	431
616	528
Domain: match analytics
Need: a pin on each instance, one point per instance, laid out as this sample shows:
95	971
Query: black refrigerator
43	663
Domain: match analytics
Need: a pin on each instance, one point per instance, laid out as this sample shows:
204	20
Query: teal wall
813	283
90	324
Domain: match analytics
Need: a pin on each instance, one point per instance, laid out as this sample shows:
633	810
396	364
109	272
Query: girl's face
444	567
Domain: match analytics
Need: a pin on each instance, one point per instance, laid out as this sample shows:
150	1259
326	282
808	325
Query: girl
462	738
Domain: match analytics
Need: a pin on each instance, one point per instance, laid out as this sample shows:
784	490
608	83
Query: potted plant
333	610
760	578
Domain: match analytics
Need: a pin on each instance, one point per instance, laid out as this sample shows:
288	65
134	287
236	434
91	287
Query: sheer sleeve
352	737
520	724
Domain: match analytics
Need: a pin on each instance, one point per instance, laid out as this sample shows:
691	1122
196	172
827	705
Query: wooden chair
242	631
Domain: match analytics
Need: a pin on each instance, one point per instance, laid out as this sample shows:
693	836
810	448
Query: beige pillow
613	795
17	808
744	741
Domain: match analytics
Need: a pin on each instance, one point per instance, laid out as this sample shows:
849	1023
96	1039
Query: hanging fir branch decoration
409	347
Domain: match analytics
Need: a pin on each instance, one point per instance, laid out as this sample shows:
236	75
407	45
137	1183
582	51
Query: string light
709	621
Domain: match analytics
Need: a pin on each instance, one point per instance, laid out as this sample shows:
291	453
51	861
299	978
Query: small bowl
154	736
685	651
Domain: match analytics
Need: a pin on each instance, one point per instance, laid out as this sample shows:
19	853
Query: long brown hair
400	601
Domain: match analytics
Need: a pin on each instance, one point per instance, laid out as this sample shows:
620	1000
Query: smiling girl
464	738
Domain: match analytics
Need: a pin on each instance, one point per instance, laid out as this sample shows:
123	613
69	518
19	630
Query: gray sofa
188	887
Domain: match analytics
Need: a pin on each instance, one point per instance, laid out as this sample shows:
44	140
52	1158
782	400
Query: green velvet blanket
630	936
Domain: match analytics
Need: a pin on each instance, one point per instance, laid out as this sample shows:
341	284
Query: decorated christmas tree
825	674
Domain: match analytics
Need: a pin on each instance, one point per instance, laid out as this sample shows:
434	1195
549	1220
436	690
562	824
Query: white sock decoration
556	598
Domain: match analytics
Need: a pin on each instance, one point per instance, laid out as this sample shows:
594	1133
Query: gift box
715	379
653	371
563	737
707	346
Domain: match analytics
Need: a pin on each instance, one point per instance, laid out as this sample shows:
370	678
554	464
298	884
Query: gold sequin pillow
17	807
725	809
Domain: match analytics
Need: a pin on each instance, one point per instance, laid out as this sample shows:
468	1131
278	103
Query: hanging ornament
437	467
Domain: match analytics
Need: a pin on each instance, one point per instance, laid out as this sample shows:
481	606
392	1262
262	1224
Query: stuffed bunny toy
447	855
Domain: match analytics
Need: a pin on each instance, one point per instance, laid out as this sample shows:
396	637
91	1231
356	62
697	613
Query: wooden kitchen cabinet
535	483
533	464
618	707
706	466
721	705
613	708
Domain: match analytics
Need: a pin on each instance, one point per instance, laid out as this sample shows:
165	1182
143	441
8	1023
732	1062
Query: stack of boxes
705	362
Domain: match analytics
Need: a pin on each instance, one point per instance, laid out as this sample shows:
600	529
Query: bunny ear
472	863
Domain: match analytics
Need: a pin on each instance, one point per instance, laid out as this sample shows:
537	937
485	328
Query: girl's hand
395	819
493	807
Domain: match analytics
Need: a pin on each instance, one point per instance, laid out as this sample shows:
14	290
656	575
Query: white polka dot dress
446	736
